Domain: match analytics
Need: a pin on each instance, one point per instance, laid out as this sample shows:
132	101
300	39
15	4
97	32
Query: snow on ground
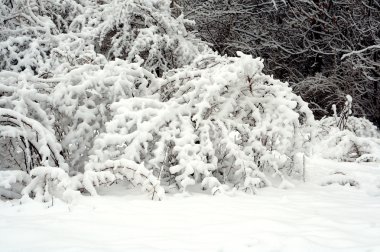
309	217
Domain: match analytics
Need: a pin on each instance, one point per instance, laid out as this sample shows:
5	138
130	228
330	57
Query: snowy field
309	217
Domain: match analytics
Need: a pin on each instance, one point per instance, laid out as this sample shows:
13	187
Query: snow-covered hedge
219	121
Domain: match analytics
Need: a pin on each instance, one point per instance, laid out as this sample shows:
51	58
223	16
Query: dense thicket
325	49
93	93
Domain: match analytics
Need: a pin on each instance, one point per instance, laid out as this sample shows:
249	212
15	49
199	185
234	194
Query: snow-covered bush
360	126
136	29
26	126
339	178
39	144
30	31
38	16
25	144
120	90
346	146
49	182
47	56
56	119
81	101
27	132
219	121
23	53
347	138
55	87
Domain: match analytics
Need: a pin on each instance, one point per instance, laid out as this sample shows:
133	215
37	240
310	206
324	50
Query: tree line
325	49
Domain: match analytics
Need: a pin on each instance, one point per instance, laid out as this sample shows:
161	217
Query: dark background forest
325	49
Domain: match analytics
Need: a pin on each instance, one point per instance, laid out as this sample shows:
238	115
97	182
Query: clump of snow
49	182
12	182
341	179
113	170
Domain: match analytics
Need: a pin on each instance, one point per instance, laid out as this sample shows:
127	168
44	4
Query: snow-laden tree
139	29
347	138
218	122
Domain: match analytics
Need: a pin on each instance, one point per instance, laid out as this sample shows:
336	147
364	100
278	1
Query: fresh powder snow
319	215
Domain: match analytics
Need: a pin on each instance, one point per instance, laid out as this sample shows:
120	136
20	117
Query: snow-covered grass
319	215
